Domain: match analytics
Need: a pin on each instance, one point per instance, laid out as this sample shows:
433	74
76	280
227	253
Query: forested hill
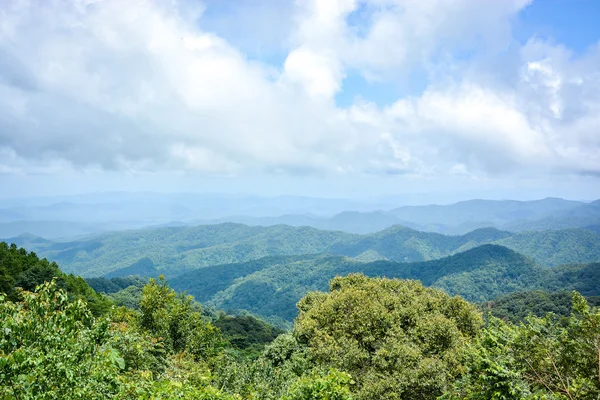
22	269
515	307
272	286
173	251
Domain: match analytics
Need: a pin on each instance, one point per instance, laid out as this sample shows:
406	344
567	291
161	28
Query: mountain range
272	286
457	218
67	217
173	251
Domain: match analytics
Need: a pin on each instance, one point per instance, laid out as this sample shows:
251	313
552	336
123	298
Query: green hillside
516	306
556	247
20	269
272	286
173	251
363	339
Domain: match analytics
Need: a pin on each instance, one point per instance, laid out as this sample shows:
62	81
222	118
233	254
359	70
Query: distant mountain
272	286
581	216
595	228
9	216
346	221
458	218
57	229
399	243
28	240
489	212
61	217
173	251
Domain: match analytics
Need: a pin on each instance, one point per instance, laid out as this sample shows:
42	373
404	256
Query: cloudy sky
488	98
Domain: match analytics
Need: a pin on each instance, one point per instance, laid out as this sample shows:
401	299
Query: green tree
24	270
396	338
333	385
541	358
171	318
52	348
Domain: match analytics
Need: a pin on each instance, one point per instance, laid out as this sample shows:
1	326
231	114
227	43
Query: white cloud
137	85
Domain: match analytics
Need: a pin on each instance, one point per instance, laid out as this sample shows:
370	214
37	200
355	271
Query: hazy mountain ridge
100	212
457	218
77	215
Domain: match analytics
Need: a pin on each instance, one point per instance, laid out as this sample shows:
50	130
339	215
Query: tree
396	338
541	358
332	385
170	317
52	348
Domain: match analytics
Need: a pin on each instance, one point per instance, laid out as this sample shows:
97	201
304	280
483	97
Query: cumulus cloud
139	85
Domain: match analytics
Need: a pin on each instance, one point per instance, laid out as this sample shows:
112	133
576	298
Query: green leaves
169	316
51	348
541	358
332	385
396	338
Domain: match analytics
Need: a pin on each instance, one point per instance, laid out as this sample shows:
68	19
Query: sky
327	98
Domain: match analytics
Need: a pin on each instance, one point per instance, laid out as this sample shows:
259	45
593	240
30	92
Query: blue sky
572	23
487	98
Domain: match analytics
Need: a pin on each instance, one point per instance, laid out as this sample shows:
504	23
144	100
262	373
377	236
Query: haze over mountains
61	217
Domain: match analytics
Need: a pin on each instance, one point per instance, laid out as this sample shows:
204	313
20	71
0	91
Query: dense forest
173	251
515	307
272	286
364	339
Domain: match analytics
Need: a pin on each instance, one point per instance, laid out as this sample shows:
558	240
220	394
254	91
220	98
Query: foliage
396	338
367	338
128	297
171	317
22	269
246	333
538	359
50	348
334	385
278	370
53	348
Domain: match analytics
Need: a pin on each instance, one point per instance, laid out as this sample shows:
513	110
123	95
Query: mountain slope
173	251
556	247
273	286
25	270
